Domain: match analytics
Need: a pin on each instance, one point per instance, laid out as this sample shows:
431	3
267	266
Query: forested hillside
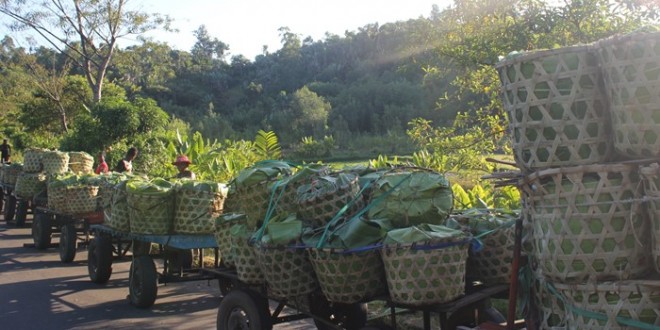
424	84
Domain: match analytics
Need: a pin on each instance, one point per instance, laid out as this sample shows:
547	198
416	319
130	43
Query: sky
247	25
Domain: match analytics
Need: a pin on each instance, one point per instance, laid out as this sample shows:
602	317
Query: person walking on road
5	152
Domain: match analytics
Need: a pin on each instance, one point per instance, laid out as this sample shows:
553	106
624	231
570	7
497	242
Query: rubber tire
243	309
21	213
68	240
348	316
10	208
2	198
41	230
143	282
99	259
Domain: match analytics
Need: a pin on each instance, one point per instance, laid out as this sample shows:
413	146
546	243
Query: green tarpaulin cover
282	230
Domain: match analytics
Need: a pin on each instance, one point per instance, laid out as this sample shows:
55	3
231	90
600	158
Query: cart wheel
21	213
2	197
41	230
10	208
348	316
68	238
143	282
99	259
243	309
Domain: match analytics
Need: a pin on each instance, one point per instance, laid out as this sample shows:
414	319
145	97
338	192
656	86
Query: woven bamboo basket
420	274
651	176
631	71
556	107
29	185
349	276
588	223
195	211
317	207
55	162
246	260
56	194
250	200
32	160
81	199
618	305
287	270
13	172
492	264
223	236
118	215
151	214
81	162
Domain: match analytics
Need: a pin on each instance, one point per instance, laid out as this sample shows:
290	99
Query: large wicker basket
250	200
81	162
55	162
612	305
81	199
223	236
548	308
287	270
195	211
349	276
419	274
588	223
29	185
320	200
118	215
151	214
246	260
493	263
556	108
631	71
32	160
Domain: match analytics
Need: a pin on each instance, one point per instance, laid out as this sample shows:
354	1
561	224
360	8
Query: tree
87	31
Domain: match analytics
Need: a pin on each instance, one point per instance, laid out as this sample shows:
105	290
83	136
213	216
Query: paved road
38	291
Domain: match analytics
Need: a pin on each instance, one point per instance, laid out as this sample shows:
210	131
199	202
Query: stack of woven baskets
583	120
315	229
73	194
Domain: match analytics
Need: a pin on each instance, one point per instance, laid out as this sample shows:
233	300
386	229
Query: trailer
175	250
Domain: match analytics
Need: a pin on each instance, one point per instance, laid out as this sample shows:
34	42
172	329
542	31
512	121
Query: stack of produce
151	206
81	162
197	204
591	231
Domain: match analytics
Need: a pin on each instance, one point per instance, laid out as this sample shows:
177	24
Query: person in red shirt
103	166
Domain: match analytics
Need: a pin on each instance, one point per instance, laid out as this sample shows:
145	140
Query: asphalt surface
38	291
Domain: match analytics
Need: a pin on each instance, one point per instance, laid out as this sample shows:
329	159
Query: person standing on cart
182	162
126	164
103	166
5	152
